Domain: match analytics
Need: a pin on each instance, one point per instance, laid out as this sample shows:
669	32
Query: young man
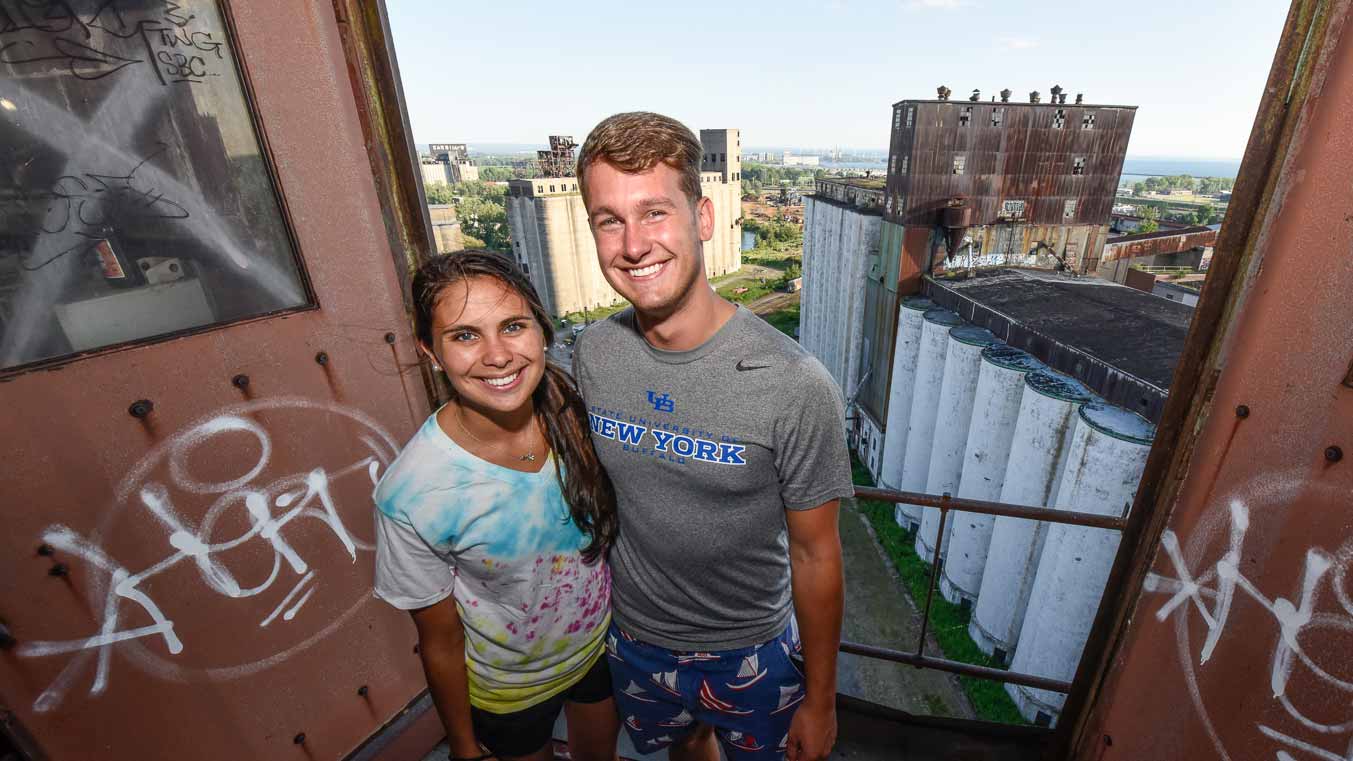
726	445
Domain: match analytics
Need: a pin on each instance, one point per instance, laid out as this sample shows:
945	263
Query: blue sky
821	74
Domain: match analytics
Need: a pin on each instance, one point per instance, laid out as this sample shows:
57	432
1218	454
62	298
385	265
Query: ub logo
661	402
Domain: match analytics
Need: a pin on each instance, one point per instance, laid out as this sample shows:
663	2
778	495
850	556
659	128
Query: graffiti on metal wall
205	533
134	176
1310	623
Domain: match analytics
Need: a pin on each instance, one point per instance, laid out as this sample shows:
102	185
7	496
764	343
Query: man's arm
441	645
819	596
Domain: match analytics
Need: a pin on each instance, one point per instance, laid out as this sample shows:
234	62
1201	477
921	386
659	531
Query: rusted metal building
989	183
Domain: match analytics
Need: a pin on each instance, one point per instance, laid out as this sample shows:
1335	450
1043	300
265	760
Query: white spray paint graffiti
278	510
1210	588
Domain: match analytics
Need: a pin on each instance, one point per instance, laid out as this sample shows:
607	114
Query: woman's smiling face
488	344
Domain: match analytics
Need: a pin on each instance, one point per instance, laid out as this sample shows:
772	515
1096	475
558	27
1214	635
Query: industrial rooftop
1121	342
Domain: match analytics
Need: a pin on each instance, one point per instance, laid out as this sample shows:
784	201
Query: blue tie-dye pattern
534	614
430	491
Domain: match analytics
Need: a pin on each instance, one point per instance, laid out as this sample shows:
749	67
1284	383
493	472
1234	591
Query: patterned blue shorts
747	695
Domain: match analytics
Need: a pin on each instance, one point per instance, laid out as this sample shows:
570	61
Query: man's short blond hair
637	141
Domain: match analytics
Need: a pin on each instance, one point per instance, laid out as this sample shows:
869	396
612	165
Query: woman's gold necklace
530	455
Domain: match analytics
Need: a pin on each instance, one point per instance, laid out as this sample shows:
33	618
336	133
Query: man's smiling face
649	235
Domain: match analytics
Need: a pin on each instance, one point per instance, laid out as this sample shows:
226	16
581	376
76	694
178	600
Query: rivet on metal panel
60	569
389	338
141	408
299	739
240	381
322	358
46	550
362	691
1334	453
1242	411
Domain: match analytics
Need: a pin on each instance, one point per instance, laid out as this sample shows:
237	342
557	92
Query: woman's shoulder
429	463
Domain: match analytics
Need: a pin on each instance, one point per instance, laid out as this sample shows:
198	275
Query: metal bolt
1242	411
59	569
299	739
141	408
389	338
1334	453
362	691
46	550
240	381
322	358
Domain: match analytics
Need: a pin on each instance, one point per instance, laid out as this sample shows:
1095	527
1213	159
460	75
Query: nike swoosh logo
742	366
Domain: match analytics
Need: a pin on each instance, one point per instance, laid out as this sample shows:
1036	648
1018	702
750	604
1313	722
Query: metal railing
946	503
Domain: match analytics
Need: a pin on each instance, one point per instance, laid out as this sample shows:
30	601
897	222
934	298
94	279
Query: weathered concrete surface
878	612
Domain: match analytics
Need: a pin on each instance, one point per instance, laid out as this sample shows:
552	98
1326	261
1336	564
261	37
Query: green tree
438	193
1206	215
485	219
1138	188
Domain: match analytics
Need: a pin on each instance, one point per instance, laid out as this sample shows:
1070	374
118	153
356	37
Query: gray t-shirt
707	449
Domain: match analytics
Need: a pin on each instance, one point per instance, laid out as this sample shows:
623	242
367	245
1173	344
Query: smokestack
1005	95
1080	98
1056	91
1033	97
976	96
943	92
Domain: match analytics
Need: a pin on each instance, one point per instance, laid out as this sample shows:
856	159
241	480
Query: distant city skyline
799	74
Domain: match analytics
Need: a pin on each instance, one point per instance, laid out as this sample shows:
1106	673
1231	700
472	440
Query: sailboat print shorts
747	695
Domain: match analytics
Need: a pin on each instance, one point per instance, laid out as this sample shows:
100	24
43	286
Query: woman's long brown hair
558	405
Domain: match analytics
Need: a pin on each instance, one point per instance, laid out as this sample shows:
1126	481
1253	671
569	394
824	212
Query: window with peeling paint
1059	119
144	206
1088	121
965	116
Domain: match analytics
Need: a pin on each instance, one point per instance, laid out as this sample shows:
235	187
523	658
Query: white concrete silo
1047	419
958	391
909	320
1000	385
925	399
1104	466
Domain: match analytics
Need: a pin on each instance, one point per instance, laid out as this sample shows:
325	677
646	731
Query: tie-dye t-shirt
502	543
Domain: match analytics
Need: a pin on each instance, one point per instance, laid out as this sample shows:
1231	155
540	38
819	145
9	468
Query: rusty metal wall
153	616
1024	158
1239	643
1130	247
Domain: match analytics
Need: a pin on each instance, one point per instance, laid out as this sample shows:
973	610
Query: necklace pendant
528	457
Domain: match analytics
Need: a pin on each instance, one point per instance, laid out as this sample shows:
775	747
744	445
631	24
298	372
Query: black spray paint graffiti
178	506
85	207
1312	685
106	39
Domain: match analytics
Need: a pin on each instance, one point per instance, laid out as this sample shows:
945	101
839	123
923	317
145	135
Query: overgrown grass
948	622
784	320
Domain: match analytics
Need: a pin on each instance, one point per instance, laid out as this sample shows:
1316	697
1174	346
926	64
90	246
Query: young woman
492	526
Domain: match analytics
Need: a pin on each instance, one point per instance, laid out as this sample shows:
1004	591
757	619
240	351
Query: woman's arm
441	645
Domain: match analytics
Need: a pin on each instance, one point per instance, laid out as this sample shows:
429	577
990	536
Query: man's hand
812	733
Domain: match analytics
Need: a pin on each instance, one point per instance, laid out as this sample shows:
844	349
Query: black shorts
524	732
